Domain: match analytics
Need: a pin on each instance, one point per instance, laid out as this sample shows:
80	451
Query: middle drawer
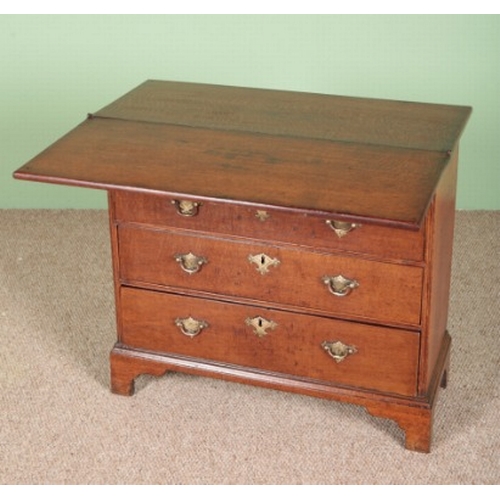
336	286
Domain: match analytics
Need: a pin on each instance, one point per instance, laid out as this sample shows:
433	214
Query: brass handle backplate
263	262
338	350
189	262
186	208
190	326
260	325
339	285
341	228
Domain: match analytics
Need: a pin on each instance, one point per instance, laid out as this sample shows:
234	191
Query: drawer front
300	345
383	292
280	225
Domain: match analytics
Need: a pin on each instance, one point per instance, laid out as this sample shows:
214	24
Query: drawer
305	346
386	293
280	225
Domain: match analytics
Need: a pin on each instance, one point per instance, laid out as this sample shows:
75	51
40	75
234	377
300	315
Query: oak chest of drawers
289	240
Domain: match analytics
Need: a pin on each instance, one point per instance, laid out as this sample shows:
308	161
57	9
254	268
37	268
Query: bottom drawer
331	351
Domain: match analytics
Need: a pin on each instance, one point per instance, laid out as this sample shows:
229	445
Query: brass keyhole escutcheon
260	325
263	262
262	215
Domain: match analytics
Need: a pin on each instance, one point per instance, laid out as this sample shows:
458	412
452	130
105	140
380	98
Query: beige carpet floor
59	423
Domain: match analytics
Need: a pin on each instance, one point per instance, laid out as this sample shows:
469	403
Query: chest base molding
413	415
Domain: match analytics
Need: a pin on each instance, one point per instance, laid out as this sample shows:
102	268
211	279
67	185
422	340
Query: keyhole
263	261
260	323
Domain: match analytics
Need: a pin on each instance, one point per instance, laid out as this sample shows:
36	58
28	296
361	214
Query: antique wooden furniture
288	240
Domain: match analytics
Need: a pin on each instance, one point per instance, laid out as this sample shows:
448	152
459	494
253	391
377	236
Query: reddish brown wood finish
437	281
301	228
364	158
413	414
303	159
410	125
386	359
124	370
386	293
331	177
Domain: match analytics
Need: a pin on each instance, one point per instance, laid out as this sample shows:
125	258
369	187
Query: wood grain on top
432	127
368	159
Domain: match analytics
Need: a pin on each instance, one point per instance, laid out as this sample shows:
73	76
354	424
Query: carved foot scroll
126	367
415	422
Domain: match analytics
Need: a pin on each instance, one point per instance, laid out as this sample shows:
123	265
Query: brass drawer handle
339	285
263	262
190	263
186	208
260	325
341	228
338	350
190	326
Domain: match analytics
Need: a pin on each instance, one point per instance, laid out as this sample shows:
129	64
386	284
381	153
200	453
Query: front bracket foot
126	367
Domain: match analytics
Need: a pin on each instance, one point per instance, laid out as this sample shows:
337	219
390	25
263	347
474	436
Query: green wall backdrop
55	69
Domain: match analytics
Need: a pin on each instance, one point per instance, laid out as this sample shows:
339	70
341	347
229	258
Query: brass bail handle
338	350
190	326
186	208
340	286
341	228
190	263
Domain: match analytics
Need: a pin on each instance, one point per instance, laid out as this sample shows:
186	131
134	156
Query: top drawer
269	224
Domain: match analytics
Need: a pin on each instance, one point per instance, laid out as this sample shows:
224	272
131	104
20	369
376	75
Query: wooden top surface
364	158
